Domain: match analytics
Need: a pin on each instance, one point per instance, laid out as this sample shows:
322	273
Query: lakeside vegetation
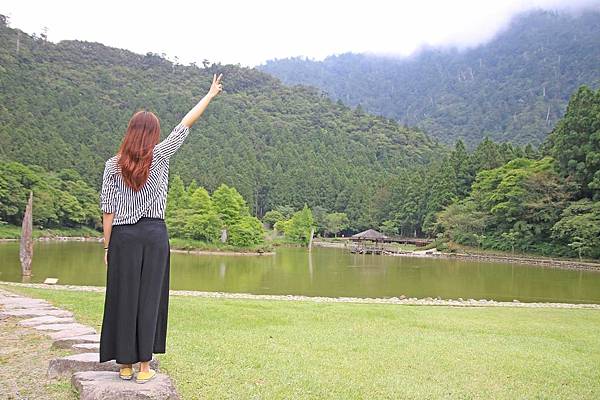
500	197
296	161
194	214
242	349
61	199
497	197
548	205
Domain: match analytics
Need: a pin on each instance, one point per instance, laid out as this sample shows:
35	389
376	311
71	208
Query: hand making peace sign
216	87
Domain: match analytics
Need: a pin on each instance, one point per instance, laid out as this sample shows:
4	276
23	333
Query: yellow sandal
126	373
145	376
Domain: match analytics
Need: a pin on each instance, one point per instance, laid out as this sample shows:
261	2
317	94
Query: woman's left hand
106	257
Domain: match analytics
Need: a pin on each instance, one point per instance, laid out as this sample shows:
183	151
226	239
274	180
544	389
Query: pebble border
428	301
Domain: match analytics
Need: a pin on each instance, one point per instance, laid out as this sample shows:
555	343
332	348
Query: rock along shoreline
402	300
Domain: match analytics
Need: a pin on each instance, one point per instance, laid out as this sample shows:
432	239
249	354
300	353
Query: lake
324	272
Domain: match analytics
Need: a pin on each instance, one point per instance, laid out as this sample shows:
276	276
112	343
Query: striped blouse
150	201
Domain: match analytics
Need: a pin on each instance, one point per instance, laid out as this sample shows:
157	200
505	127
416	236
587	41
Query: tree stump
26	248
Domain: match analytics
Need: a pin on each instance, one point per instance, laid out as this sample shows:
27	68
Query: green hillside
66	105
514	88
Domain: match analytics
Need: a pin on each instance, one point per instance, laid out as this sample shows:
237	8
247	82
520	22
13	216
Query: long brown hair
143	133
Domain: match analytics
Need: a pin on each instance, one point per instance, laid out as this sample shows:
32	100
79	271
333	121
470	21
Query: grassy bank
247	349
452	247
8	231
190	244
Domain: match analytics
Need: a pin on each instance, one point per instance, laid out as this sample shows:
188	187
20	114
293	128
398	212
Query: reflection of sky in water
322	272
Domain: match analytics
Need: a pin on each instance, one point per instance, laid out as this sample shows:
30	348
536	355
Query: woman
136	243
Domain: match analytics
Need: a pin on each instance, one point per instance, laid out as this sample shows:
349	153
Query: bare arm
192	116
107	220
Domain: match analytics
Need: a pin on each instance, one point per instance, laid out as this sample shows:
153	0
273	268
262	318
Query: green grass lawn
257	349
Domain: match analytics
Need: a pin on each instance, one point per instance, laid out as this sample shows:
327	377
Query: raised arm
171	143
192	116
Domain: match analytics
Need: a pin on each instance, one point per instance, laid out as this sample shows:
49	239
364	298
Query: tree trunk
26	248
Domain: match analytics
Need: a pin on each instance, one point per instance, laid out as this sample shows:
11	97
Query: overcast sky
250	32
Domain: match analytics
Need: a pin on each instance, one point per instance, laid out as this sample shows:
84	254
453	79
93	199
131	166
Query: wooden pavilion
368	242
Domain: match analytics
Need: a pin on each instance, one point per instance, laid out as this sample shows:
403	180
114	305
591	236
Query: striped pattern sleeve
109	190
171	143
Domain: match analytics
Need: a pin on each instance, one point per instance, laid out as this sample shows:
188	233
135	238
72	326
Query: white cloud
250	32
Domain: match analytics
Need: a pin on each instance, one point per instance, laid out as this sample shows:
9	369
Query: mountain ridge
66	106
513	88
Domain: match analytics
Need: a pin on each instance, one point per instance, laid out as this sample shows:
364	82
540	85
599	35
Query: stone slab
65	366
48	319
68	342
35	306
103	385
61	327
86	347
31	303
65	333
36	312
19	300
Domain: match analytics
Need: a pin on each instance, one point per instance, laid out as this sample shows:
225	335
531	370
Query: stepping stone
50	319
61	327
40	306
103	385
65	366
34	303
86	347
65	333
68	342
36	312
18	299
7	299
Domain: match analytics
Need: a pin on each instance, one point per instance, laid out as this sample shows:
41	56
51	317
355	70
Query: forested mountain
66	105
548	205
514	88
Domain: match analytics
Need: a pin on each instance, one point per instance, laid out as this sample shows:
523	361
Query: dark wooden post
26	249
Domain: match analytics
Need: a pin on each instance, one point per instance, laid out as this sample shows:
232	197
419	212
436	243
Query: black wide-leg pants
134	324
